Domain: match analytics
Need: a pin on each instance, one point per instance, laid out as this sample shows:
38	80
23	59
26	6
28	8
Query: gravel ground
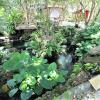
82	92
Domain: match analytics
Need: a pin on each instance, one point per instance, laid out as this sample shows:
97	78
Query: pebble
97	95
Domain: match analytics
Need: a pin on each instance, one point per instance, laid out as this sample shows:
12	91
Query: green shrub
91	66
87	39
76	69
4	54
32	75
45	43
13	18
9	19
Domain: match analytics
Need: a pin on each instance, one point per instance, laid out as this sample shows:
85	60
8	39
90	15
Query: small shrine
56	12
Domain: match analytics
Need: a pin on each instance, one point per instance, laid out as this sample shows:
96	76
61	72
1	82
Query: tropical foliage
32	75
32	72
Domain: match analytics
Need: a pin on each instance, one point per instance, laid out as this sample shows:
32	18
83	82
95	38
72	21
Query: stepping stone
95	82
84	91
97	95
81	89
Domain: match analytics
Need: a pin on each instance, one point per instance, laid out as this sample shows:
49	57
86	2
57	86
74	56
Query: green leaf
13	92
11	83
38	61
16	61
24	73
24	57
77	68
23	86
12	63
60	79
53	74
52	66
30	80
63	72
46	83
38	90
26	95
18	78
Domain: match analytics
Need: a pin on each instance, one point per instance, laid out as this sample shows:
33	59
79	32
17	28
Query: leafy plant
91	67
87	39
44	43
14	18
4	54
83	48
32	75
76	69
3	23
9	18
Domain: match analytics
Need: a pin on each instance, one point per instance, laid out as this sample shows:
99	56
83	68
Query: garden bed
43	63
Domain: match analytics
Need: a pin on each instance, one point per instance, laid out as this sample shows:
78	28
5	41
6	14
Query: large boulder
93	56
95	51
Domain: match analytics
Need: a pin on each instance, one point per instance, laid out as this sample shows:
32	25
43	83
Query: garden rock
97	95
83	88
95	51
93	56
82	92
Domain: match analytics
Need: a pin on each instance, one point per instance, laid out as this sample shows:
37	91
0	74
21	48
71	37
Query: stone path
82	92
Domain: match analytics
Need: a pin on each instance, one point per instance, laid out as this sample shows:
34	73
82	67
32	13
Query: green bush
32	75
14	17
91	66
87	39
76	69
46	43
4	54
9	19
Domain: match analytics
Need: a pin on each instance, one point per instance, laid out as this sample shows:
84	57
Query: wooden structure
29	21
56	12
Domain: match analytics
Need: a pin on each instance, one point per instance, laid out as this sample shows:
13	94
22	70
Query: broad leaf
63	72
18	78
16	61
60	79
13	62
13	92
52	66
26	95
23	86
11	83
30	80
46	84
38	90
